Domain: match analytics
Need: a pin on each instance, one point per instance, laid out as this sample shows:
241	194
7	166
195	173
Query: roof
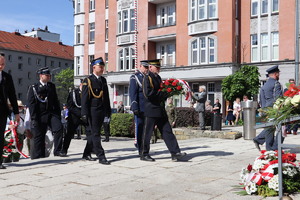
17	42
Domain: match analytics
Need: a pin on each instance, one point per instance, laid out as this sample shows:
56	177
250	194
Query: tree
64	80
245	81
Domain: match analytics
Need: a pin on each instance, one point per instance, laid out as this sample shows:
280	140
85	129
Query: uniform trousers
267	135
3	121
165	129
139	126
72	125
39	132
94	140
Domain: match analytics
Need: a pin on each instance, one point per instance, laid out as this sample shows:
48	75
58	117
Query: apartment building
25	55
200	41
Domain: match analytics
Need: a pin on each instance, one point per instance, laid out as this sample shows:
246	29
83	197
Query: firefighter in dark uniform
269	92
44	112
74	117
7	91
155	114
95	105
137	101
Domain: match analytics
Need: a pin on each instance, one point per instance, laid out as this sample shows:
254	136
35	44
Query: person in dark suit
155	114
269	92
95	106
137	101
7	92
44	111
201	98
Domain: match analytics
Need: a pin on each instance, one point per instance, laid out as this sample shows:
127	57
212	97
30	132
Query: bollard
249	111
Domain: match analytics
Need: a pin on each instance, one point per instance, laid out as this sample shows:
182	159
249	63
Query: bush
188	117
122	124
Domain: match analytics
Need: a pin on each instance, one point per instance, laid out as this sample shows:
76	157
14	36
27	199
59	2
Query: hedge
122	124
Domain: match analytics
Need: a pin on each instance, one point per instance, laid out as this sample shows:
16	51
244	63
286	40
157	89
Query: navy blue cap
97	61
273	69
44	70
145	63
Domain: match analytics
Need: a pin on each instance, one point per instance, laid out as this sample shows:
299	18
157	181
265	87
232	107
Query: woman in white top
237	109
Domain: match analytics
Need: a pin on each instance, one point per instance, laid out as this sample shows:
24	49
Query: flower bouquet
176	87
261	178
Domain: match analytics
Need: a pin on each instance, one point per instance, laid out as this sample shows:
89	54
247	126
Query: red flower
249	168
9	150
174	83
171	79
11	140
167	82
179	87
169	90
9	144
5	147
161	85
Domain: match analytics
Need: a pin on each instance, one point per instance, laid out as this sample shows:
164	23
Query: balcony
200	27
126	39
162	25
160	33
160	1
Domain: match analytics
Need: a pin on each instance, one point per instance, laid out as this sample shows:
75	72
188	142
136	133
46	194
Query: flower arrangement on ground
261	178
176	87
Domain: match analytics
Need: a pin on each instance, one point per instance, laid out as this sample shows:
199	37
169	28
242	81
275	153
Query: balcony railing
162	25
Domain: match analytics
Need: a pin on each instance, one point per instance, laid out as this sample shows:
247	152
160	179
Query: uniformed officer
44	112
155	114
95	106
269	92
137	101
7	91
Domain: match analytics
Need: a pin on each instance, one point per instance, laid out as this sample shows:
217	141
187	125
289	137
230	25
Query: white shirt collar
97	76
43	84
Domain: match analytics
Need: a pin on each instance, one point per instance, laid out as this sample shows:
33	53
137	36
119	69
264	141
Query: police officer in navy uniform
269	92
44	111
74	116
7	91
155	114
137	101
95	105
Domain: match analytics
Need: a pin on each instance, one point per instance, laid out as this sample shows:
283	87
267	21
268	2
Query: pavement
211	172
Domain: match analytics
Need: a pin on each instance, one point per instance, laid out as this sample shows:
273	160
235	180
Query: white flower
295	100
258	164
287	101
273	183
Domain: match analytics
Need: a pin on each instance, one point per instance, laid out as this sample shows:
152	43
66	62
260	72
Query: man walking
269	92
7	92
95	106
44	112
137	101
155	114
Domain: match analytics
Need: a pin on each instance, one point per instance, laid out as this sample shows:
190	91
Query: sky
27	14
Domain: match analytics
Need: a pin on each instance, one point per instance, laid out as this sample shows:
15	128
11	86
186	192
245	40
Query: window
66	64
126	21
29	61
52	63
127	58
106	30
78	6
264	46
275	46
92	5
20	66
20	58
91	57
203	9
59	64
126	96
167	54
78	34
203	50
166	15
211	92
254	48
92	32
264	6
275	6
78	65
254	8
38	62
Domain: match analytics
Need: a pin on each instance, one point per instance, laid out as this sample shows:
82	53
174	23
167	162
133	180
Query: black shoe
256	145
147	158
89	158
178	157
103	161
61	154
105	140
2	167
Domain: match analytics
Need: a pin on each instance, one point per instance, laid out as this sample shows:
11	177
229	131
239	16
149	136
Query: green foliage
122	124
64	80
245	81
291	185
265	191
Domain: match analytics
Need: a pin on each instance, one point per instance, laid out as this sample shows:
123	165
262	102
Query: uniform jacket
88	100
269	92
74	98
36	107
136	92
154	99
7	91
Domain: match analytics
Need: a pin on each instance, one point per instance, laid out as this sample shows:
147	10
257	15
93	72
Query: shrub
122	124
